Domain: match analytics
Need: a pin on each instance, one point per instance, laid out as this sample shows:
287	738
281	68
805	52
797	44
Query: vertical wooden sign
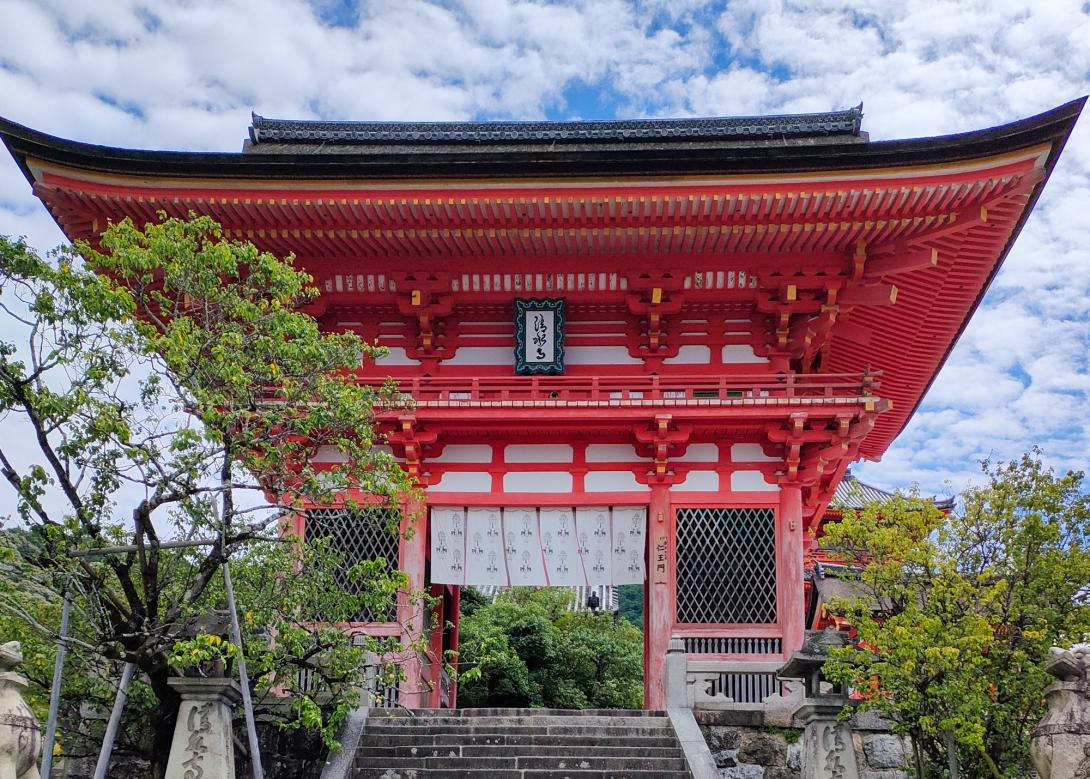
659	563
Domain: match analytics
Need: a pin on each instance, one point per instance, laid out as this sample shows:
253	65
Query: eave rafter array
812	217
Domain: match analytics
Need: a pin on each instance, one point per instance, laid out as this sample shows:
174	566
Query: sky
186	74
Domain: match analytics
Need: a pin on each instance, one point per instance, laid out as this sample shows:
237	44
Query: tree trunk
163	720
917	753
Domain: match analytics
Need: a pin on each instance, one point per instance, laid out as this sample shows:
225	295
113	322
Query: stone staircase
519	744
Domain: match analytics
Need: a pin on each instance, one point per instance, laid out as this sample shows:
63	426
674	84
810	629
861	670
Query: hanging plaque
539	336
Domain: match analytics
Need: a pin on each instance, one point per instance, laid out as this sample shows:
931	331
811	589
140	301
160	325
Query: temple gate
636	351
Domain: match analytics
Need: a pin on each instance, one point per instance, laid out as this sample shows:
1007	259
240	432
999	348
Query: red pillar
455	618
434	670
659	600
792	601
410	609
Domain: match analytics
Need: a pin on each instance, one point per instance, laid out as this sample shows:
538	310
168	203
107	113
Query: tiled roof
854	494
735	128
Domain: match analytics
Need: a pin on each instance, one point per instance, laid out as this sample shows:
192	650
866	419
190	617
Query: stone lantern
828	750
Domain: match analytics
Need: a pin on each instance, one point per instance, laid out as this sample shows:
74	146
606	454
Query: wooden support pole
55	691
114	723
660	597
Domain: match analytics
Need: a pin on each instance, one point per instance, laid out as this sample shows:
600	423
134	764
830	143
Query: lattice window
726	566
356	536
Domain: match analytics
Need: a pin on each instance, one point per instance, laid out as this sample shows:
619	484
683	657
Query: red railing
635	388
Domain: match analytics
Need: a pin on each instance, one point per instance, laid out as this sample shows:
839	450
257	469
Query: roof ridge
846	122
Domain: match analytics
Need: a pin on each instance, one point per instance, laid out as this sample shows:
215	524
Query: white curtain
554	546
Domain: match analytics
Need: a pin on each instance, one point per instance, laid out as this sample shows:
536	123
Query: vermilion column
434	669
456	619
410	611
659	599
792	603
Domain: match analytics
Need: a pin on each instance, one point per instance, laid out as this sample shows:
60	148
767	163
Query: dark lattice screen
726	566
355	536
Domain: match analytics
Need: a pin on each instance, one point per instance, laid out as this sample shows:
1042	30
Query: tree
957	613
170	385
630	603
528	650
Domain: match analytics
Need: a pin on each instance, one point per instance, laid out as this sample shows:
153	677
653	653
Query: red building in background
639	351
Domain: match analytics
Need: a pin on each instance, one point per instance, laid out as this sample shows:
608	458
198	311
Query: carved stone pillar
202	744
828	750
1061	742
677	676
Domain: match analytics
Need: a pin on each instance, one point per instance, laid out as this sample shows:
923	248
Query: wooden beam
902	262
876	295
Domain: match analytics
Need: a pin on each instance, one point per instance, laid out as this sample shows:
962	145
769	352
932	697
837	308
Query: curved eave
548	161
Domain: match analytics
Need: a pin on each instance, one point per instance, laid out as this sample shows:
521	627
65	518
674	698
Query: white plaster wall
699	453
397	356
538	453
599	355
750	453
464	453
612	453
463	481
537	481
741	353
482	355
330	454
698	481
690	354
751	481
612	481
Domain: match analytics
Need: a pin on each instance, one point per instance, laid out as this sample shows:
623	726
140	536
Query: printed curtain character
524	555
593	529
448	549
629	544
486	562
560	548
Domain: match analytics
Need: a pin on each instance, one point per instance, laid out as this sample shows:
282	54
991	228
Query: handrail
631	388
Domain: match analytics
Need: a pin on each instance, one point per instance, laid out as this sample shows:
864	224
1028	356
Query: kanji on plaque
539	336
661	564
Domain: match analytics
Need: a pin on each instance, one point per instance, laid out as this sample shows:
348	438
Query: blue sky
187	74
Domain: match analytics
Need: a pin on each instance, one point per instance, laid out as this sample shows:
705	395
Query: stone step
664	738
500	712
524	721
605	732
553	763
636	749
472	773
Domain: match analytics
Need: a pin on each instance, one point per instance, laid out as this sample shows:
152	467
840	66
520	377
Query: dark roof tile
736	128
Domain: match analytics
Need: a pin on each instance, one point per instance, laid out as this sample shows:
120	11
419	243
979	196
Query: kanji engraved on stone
198	723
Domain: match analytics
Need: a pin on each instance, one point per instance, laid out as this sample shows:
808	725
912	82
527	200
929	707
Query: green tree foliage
958	612
528	650
630	603
168	384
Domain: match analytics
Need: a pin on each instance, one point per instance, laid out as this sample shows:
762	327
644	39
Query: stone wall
744	747
881	755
